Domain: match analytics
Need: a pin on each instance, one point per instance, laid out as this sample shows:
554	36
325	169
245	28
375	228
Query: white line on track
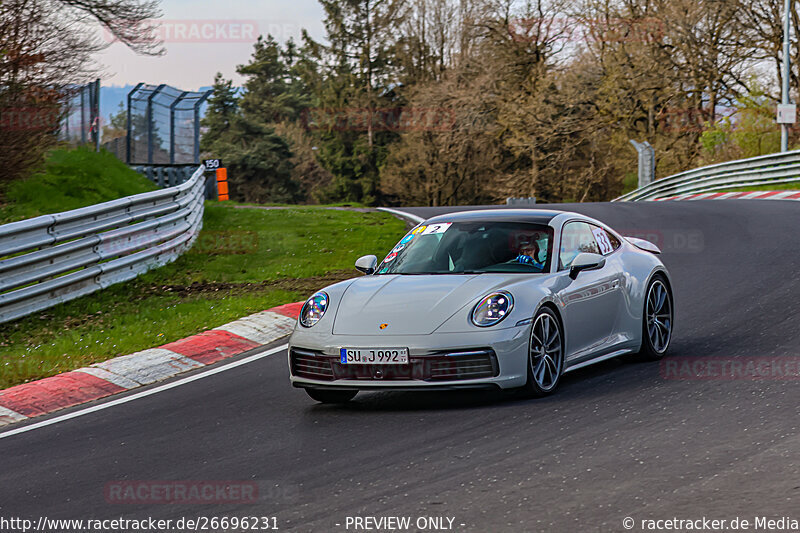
149	392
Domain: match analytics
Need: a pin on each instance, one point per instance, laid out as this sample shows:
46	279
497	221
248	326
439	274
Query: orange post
222	184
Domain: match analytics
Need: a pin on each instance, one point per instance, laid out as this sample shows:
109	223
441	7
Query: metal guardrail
51	259
756	171
172	175
166	175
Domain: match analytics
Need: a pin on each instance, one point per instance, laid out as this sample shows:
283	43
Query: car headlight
313	309
492	309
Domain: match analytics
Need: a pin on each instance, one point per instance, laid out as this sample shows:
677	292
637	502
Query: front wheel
331	396
545	354
657	320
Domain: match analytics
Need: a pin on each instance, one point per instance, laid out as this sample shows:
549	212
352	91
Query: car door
591	302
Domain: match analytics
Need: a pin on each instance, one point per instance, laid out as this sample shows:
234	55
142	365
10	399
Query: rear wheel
657	320
545	354
331	396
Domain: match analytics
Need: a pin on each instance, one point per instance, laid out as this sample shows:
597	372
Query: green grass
245	260
630	182
309	206
71	178
775	187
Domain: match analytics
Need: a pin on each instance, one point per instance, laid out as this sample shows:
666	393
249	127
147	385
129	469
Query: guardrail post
647	162
211	187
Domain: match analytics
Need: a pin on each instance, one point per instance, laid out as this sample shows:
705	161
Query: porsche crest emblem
384	326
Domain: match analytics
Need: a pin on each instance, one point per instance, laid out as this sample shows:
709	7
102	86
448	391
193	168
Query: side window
576	237
606	241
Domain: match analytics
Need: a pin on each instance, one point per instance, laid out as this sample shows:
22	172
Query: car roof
533	216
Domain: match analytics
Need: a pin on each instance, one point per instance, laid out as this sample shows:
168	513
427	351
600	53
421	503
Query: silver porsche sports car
504	298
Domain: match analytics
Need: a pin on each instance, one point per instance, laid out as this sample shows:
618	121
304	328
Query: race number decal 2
437	228
601	237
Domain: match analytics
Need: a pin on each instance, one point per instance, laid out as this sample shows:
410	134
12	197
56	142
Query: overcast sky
203	37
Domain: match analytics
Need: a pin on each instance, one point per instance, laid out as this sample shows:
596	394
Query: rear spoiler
642	244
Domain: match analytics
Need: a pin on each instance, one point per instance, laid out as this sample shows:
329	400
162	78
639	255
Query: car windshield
471	247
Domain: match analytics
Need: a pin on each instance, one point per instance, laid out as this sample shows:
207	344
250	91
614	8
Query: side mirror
586	261
367	264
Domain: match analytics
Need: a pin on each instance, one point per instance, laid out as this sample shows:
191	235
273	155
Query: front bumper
484	359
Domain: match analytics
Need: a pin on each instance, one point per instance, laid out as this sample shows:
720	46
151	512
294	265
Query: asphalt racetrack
617	440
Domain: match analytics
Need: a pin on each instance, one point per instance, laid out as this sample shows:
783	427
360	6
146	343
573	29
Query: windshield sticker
437	228
418	230
384	270
390	257
398	248
406	239
603	242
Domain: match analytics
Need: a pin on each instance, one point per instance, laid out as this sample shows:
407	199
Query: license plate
374	356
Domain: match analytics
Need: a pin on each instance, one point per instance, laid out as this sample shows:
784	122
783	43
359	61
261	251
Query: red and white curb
743	195
120	374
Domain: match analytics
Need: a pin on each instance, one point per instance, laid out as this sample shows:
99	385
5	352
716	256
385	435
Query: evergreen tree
274	90
258	160
117	124
223	107
359	74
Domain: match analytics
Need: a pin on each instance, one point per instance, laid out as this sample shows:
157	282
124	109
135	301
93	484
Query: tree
356	75
748	132
450	153
46	45
117	126
275	91
223	108
533	97
258	159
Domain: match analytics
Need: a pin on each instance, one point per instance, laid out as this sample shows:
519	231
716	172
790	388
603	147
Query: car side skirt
605	357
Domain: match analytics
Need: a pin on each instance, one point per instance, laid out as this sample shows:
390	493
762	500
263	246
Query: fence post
172	126
197	125
647	162
96	115
130	124
66	120
83	115
150	122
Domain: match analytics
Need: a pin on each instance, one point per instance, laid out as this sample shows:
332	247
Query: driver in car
529	252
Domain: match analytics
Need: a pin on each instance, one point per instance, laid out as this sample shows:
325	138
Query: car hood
409	305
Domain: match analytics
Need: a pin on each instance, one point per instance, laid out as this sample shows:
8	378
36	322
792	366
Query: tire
545	354
657	320
331	396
